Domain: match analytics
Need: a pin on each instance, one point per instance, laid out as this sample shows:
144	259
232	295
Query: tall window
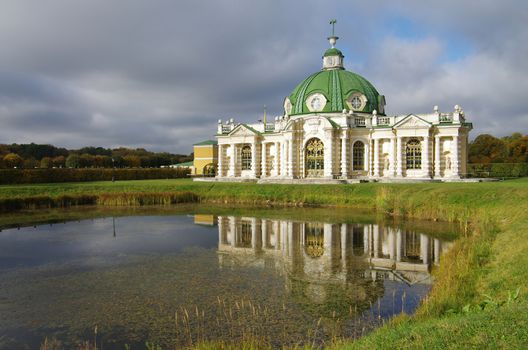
358	153
314	158
246	158
413	153
245	234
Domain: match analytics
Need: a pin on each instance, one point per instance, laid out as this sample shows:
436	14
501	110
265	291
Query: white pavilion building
335	127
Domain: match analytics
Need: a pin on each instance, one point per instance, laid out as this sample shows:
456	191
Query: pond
175	278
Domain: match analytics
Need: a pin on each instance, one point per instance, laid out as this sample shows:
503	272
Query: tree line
486	149
30	156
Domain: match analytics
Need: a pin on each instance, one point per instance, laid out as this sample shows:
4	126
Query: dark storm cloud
159	74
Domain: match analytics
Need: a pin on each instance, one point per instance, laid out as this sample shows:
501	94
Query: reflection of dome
325	298
333	89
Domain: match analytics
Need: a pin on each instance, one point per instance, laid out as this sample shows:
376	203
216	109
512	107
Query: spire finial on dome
333	38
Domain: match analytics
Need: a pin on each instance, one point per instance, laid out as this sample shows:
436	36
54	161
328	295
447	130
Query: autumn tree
132	161
59	162
13	160
518	150
73	161
487	149
45	162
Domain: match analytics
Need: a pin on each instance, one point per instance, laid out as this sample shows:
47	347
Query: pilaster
219	171
329	154
375	165
437	160
232	160
392	158
399	157
425	159
456	157
254	159
263	161
344	155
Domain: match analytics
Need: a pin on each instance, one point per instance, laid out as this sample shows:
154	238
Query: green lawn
488	262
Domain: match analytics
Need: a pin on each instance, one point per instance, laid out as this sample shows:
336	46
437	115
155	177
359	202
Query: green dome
337	85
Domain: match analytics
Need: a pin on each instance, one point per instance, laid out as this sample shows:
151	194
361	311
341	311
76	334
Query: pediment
412	122
243	130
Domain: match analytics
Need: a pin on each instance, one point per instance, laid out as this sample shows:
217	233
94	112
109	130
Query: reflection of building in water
330	267
325	251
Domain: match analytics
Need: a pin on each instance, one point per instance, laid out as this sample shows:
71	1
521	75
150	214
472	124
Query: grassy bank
474	302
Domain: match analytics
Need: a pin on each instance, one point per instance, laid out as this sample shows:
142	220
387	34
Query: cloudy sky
160	73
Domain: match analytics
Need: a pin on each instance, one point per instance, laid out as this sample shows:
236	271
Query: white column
392	157
392	244
276	161
455	160
254	159
376	245
291	246
232	162
232	228
375	165
264	233
399	244
329	154
343	244
220	232
366	239
436	251
263	161
344	155
290	158
254	244
399	157
437	156
219	172
282	158
366	158
327	239
424	247
426	169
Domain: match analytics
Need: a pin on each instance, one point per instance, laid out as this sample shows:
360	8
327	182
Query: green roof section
184	164
206	143
333	52
336	85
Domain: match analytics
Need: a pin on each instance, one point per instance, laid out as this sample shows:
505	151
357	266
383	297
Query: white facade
356	145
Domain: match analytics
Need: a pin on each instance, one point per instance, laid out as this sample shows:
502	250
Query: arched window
358	154
413	153
314	158
246	158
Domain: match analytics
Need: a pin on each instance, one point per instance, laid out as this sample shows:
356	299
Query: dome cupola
333	58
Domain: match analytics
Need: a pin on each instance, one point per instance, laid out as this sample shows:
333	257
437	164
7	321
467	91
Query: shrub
498	170
25	176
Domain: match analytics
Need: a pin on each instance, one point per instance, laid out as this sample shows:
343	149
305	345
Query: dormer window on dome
356	101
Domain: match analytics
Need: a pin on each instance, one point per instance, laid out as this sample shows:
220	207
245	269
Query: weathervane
333	22
333	38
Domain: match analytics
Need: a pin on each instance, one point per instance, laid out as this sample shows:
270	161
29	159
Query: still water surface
179	279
